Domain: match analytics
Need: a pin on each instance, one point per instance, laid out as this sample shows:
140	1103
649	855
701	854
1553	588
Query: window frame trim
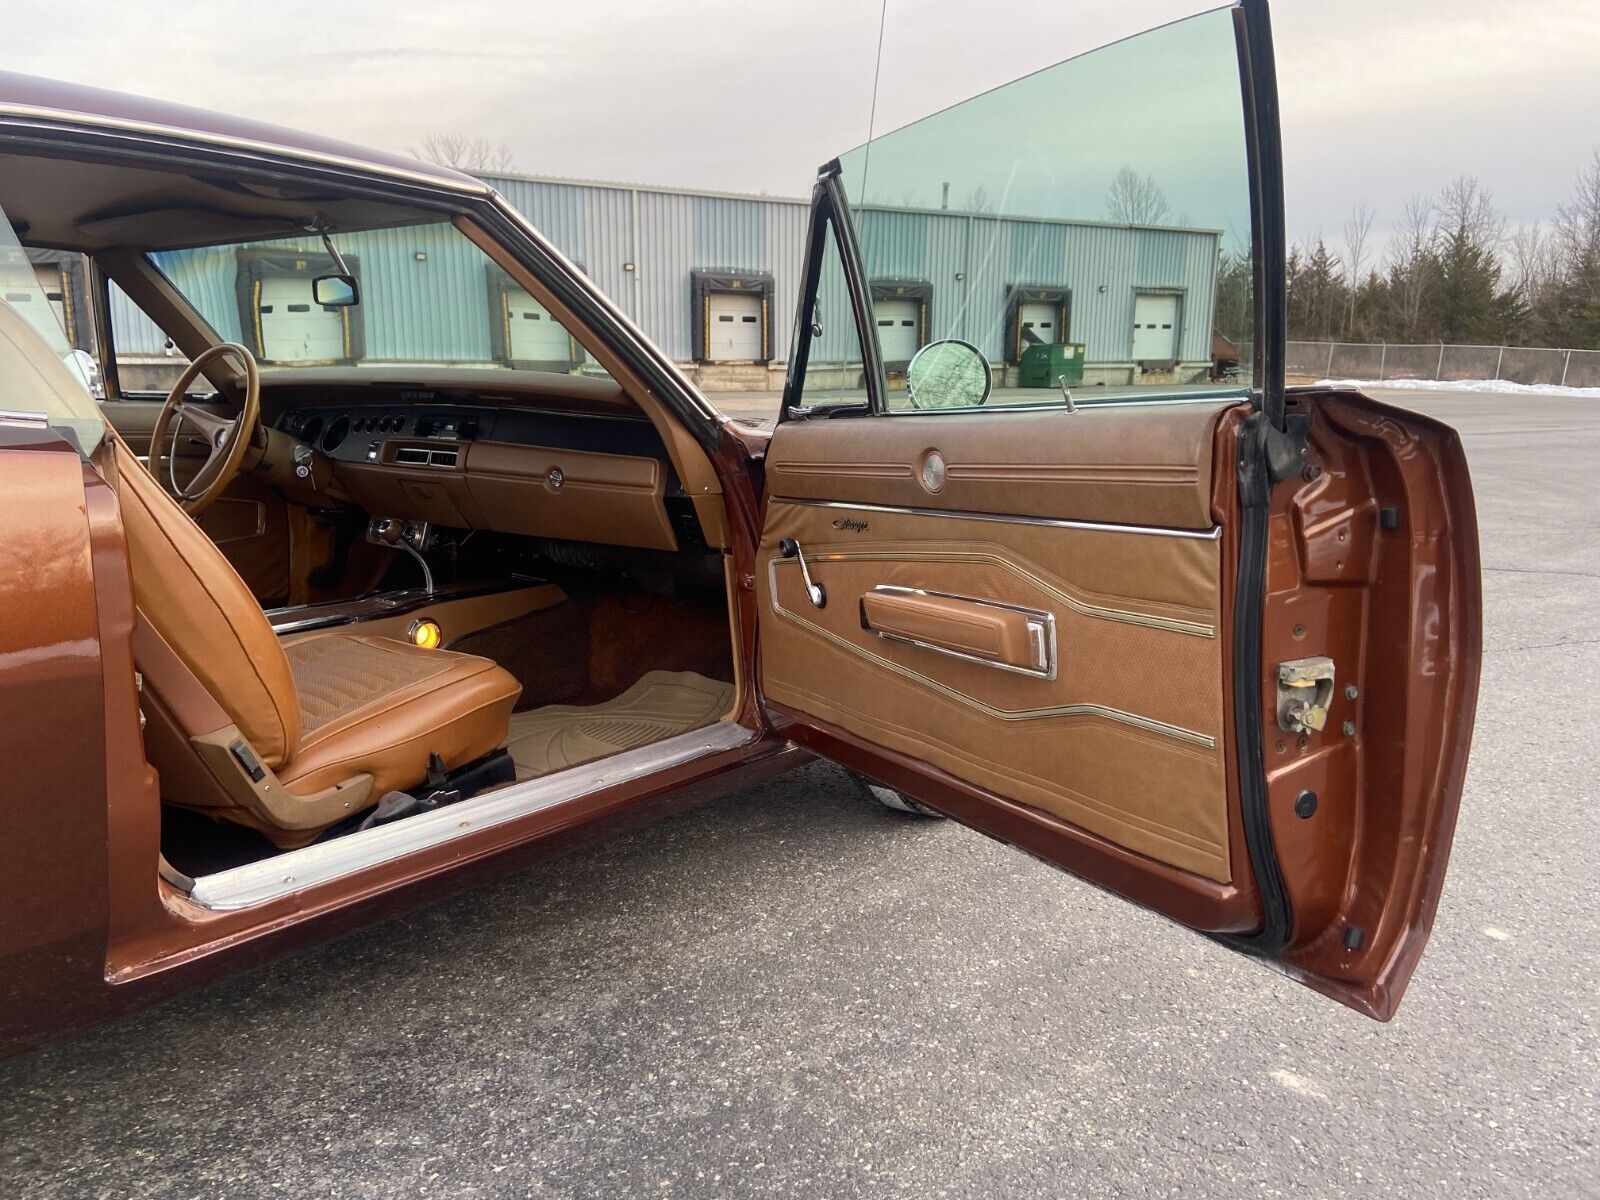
830	213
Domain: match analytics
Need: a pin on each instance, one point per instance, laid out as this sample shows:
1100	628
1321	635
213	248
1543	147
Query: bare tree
464	153
1135	200
1465	210
1529	249
1577	229
1409	248
1357	235
977	201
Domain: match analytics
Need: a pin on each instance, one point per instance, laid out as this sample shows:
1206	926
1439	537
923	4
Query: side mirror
336	291
83	365
948	374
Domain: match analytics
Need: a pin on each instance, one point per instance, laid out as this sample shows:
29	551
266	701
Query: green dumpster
1047	365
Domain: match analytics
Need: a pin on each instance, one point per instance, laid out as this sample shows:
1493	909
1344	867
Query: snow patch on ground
1462	385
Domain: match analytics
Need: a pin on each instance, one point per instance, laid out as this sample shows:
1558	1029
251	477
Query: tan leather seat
287	742
335	720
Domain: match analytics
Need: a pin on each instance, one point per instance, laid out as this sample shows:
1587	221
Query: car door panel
1134	757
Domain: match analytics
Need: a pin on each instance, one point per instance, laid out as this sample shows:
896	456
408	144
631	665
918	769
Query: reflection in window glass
1088	223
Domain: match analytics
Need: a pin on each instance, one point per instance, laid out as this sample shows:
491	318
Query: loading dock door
55	293
1155	328
532	334
1041	320
293	329
45	308
898	322
734	332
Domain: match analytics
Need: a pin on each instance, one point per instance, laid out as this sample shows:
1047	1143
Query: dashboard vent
419	456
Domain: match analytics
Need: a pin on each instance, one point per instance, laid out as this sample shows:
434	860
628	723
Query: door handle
981	631
790	548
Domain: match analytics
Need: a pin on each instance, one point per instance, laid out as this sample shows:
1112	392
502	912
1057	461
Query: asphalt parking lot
791	992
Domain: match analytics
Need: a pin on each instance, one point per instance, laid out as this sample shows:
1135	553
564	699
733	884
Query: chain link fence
1389	360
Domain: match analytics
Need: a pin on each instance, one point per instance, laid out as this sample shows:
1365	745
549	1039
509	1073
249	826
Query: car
372	604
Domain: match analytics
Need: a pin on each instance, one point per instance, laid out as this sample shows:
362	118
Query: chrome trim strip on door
1041	633
323	862
1202	535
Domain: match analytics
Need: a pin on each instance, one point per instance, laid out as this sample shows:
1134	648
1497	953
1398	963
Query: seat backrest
191	595
184	587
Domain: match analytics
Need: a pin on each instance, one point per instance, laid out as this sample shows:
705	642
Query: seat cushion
379	706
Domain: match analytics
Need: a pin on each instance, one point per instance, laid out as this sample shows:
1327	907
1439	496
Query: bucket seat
286	740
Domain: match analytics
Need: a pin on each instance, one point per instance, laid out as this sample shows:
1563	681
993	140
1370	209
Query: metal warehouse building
713	279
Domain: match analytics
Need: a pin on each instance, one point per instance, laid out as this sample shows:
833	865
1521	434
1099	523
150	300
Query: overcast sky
1381	98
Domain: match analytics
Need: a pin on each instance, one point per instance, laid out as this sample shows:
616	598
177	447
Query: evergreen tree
1466	272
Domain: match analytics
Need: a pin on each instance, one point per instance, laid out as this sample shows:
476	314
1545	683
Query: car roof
31	96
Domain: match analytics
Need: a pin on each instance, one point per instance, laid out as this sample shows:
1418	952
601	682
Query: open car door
1207	645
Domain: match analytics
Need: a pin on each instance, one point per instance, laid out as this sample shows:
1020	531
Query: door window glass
32	333
1077	224
148	361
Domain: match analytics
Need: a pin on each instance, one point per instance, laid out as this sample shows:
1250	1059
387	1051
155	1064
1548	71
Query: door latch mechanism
1305	690
790	548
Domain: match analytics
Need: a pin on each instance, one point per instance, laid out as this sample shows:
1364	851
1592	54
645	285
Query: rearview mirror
948	374
336	291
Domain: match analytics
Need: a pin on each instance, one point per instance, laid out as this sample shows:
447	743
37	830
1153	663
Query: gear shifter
411	537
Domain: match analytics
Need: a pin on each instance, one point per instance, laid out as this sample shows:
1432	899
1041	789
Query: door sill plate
320	863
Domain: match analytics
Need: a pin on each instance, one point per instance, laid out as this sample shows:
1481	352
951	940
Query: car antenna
872	112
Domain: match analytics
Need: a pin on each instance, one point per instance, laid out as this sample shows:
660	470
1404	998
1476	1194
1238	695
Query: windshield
426	295
32	333
1089	223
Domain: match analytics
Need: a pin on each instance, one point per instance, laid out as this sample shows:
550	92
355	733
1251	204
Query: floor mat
660	705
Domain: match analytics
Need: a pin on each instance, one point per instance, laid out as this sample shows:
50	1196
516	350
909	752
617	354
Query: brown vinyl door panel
1132	756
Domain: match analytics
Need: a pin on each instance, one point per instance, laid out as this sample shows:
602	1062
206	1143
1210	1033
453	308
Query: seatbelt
436	792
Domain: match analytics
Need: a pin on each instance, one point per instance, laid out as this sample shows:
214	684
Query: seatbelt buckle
438	790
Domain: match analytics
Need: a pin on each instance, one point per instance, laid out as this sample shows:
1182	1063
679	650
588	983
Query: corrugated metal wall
437	307
677	233
973	261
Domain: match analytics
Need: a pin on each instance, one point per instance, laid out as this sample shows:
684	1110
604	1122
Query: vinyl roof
29	96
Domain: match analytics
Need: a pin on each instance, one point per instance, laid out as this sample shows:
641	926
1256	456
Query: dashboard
422	456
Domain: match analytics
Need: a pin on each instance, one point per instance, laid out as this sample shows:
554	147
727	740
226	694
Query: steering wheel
227	440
